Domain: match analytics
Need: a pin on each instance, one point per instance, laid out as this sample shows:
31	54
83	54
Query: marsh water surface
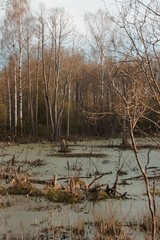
22	214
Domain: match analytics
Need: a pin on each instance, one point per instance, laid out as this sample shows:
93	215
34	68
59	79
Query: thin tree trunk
56	107
151	200
68	110
48	104
30	100
15	95
124	132
9	101
20	83
102	76
56	83
37	87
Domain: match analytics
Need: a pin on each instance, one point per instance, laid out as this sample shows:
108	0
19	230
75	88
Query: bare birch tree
37	82
46	77
61	31
139	45
99	34
29	21
16	11
9	46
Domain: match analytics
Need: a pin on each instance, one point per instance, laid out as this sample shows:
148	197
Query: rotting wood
64	147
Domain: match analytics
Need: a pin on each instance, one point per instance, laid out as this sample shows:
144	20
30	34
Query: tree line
57	82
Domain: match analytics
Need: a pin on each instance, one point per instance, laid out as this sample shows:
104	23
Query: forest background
57	82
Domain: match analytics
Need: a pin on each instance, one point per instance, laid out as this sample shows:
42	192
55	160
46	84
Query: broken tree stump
64	146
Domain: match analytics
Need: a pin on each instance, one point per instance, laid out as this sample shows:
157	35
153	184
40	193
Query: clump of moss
27	189
36	192
103	195
62	196
19	189
76	196
157	192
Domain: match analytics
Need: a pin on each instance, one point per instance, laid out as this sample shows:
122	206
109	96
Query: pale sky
76	8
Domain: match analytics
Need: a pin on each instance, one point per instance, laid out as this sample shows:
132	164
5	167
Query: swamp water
20	215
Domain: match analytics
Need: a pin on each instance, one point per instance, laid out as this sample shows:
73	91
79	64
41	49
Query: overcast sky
76	8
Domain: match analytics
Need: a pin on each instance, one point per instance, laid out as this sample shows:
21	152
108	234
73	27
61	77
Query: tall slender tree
99	34
17	11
